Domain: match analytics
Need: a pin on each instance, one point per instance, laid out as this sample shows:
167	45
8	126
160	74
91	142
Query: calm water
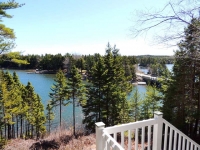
42	84
145	69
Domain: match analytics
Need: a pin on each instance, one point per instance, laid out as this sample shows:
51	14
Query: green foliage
135	105
95	92
50	115
8	5
18	101
81	64
146	60
38	119
51	62
107	90
76	90
7	35
158	70
60	93
151	102
181	90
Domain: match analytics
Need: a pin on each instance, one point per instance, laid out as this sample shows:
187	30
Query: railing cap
158	113
99	124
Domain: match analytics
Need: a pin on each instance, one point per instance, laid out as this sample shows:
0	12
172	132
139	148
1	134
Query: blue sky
81	27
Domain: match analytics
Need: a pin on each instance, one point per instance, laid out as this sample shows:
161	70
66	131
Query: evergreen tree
151	102
135	104
18	102
181	90
60	94
107	91
38	119
117	87
50	115
1	106
95	93
77	91
7	35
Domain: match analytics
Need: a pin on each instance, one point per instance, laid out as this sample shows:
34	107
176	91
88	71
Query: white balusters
175	139
143	136
129	139
165	137
168	139
136	139
149	137
122	139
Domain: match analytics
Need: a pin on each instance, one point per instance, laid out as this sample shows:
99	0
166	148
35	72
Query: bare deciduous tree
169	22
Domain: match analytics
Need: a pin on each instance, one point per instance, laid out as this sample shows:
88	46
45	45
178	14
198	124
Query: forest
102	98
109	82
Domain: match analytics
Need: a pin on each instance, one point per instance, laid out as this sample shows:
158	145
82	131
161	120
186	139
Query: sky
81	27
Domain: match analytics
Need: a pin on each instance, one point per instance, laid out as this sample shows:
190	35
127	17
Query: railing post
99	138
157	131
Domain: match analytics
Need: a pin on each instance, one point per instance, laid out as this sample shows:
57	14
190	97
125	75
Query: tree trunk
60	112
17	126
74	113
21	124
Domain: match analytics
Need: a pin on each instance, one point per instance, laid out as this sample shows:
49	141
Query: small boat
142	83
30	72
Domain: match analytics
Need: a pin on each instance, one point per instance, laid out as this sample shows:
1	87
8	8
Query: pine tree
38	119
23	113
50	115
135	104
181	90
151	102
60	94
1	107
7	35
22	108
30	98
95	93
107	91
12	103
77	91
117	87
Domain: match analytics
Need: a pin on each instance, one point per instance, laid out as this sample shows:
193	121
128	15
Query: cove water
42	84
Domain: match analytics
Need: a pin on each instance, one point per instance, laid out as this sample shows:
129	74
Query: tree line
147	60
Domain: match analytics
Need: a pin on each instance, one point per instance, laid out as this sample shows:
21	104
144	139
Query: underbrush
60	139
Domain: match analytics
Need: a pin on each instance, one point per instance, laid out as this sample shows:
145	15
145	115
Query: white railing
151	134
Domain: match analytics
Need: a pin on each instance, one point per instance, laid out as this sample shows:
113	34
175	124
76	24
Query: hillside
58	140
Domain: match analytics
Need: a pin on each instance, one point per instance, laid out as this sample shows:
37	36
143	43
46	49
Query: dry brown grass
66	141
61	136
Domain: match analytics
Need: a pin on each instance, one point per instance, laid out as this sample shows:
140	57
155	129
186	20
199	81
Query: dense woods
181	89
